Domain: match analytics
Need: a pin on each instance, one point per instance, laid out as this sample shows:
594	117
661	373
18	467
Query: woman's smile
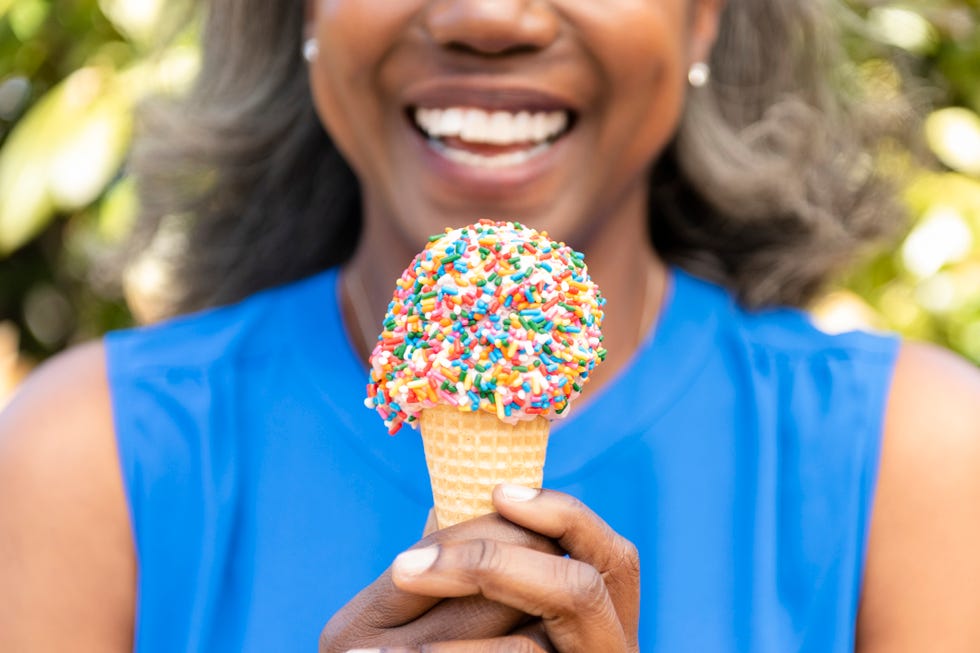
486	139
548	112
472	135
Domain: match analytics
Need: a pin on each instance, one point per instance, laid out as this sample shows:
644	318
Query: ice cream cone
470	453
491	333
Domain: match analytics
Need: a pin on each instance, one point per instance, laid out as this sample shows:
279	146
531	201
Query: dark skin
66	554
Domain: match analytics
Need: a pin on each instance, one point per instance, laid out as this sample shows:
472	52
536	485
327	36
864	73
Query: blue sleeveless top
738	451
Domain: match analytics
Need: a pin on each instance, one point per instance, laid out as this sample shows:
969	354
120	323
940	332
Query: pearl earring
311	50
699	74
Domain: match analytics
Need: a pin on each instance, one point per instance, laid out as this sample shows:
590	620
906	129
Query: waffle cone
470	453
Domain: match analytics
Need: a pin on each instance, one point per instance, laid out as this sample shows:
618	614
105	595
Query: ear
705	18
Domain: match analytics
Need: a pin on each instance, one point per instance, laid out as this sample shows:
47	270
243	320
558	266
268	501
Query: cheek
650	111
644	69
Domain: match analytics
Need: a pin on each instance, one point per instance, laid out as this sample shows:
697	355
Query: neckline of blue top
676	347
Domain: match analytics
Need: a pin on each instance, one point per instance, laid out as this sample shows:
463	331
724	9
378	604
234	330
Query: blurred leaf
954	135
62	153
26	18
90	156
137	19
941	237
904	28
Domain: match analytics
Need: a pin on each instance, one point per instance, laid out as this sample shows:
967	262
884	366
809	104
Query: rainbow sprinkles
491	317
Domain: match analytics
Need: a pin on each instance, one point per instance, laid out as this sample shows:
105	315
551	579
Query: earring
311	50
699	74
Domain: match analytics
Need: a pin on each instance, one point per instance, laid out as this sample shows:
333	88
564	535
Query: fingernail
518	492
415	561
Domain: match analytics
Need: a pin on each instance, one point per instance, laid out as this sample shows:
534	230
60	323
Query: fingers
470	617
494	527
585	536
383	606
564	518
569	595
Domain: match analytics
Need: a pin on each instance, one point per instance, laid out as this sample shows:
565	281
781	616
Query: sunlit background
71	72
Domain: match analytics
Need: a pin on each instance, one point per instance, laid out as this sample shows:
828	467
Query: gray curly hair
766	188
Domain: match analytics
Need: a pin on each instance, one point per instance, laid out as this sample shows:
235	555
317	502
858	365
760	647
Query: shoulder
68	554
922	582
63	406
934	393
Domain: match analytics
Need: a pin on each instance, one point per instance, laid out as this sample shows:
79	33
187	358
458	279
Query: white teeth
540	127
500	128
495	128
476	127
523	122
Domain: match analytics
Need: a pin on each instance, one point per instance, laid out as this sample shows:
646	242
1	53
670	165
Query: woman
217	485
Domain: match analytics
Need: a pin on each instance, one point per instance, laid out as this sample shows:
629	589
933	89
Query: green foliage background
71	72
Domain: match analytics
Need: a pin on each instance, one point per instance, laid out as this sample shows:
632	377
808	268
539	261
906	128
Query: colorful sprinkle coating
494	317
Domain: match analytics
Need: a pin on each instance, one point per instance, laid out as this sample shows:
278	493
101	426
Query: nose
492	27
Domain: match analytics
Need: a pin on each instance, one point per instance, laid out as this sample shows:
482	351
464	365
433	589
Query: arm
67	562
922	580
